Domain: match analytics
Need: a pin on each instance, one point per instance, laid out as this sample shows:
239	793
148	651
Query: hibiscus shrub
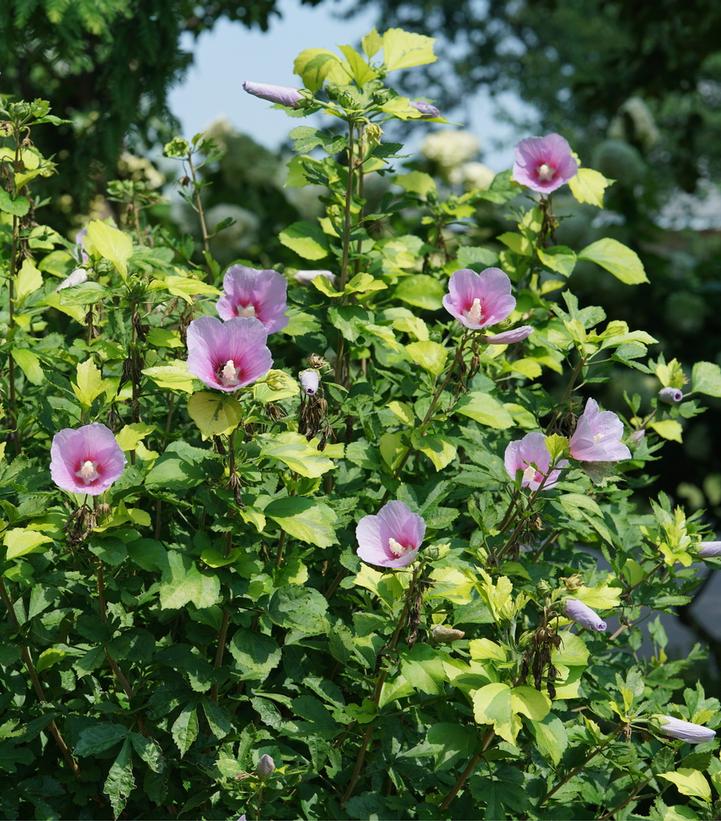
358	542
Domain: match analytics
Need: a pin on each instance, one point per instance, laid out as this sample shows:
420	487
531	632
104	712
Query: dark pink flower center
88	471
546	172
245	309
229	373
398	549
474	311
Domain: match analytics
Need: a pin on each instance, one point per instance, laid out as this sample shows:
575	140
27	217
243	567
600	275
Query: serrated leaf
431	356
149	750
185	729
104	241
308	520
27	281
98	738
214	413
484	409
299	608
689	782
617	259
404	49
29	364
551	738
20	541
175	376
295	451
668	429
706	379
120	782
306	239
588	186
184	584
88	383
255	654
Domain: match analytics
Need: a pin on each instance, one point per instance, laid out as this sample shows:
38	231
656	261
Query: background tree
107	65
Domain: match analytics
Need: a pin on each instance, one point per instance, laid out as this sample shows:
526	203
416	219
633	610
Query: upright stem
12	395
341	367
378	688
469	770
199	206
37	684
220	651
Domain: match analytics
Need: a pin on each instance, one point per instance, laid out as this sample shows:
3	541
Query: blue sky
230	54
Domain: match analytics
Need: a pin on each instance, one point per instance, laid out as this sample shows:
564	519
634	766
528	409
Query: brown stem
281	545
37	684
468	771
569	775
341	364
378	688
612	813
220	651
199	206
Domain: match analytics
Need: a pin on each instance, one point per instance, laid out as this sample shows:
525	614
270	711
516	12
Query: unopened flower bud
275	380
685	730
637	436
708	550
426	110
309	276
309	381
78	276
573	582
583	615
265	767
670	396
281	95
315	360
445	634
373	134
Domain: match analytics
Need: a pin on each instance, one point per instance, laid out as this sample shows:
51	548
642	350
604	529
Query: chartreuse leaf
551	738
316	65
431	356
559	258
18	207
185	729
278	385
21	541
214	413
706	378
296	452
421	291
403	49
484	409
438	449
530	702
175	376
104	241
359	68
668	429
481	649
27	281
88	383
120	782
306	519
492	705
186	287
689	782
617	259
130	436
184	584
588	186
29	364
255	655
306	239
416	182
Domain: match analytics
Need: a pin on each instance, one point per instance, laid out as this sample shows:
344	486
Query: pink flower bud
637	436
685	730
583	615
427	110
265	767
509	337
282	95
670	396
309	380
709	550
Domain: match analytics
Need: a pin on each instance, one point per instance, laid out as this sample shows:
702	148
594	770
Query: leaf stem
469	770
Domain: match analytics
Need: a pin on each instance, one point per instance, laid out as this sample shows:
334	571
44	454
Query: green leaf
360	70
18	207
255	654
474	255
120	782
187	287
423	668
181	467
437	448
372	43
482	649
49	658
616	258
431	356
184	584
185	728
689	782
559	258
296	452
21	541
416	182
29	364
492	705
27	281
421	291
551	738
706	379
130	436
306	239
218	720
88	383
484	409
530	702
306	519
668	429
299	608
403	49
316	65
588	186
214	413
98	738
109	243
149	751
175	376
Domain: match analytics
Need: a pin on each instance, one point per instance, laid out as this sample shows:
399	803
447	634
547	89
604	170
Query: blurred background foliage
635	87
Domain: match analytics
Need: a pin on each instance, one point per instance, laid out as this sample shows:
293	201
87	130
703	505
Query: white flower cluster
473	176
644	125
450	148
